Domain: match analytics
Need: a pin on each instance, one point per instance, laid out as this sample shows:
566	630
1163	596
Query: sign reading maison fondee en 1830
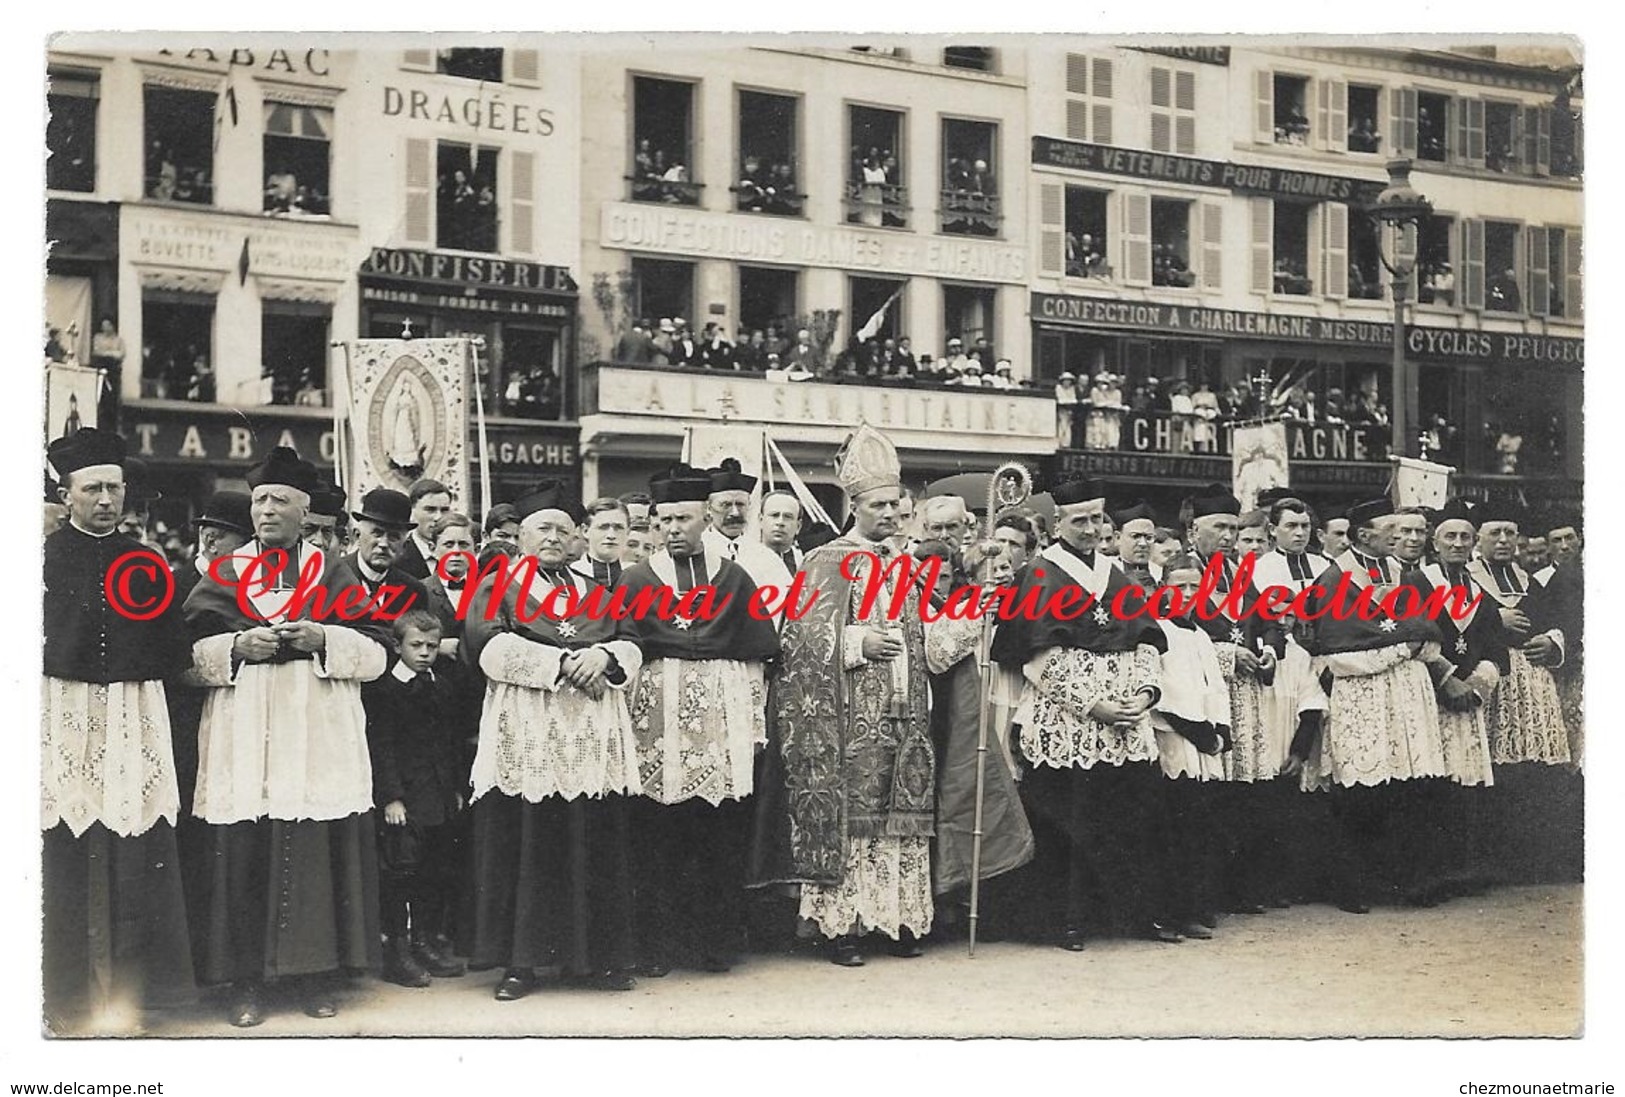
1197	321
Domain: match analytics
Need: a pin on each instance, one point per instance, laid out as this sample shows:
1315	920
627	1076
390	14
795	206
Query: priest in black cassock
1093	789
114	917
290	891
554	769
699	712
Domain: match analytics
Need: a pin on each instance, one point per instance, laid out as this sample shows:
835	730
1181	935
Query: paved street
1509	963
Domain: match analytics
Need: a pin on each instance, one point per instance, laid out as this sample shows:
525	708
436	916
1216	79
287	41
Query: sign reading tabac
408	414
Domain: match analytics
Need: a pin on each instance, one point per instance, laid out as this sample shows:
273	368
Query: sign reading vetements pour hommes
1168	168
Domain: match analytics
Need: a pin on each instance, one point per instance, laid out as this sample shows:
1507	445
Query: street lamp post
1399	205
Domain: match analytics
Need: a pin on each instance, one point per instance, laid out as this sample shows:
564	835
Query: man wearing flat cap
1093	788
114	917
555	767
284	776
699	712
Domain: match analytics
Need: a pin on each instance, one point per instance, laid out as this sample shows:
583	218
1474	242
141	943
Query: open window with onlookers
70	134
1435	269
876	195
1364	258
1291	109
970	190
1503	136
664	290
769	176
466	197
470	64
1502	289
177	346
293	351
527	378
968	315
1364	124
1086	233
767	304
1171	243
1289	248
298	154
663	142
179	131
1432	126
977	58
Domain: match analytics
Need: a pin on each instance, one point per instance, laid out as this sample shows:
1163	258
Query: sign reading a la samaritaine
1198	321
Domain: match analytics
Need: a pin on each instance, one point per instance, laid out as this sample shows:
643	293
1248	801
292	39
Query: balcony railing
187	187
671	192
970	214
876	205
779	201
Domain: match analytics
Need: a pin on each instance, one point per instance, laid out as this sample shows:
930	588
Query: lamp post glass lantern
1399	206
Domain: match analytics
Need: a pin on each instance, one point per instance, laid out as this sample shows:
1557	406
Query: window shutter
1077	119
1101	111
420	60
1334	220
1162	87
1472	264
1102	78
1407	122
1212	245
1077	74
1537	141
1474	110
1458	131
1337	131
1185	120
1323	110
1316	231
523	234
1263	241
1185	135
1162	101
1052	229
1396	124
1537	269
525	67
1573	288
1264	107
1161	132
1137	239
1185	91
419	187
1101	116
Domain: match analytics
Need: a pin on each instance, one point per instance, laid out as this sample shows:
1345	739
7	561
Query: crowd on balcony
1085	256
1292	276
875	183
1291	125
1363	136
661	175
767	186
970	202
285	195
1169	268
171	179
468	211
177	373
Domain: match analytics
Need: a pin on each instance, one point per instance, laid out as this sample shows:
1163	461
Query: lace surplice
106	756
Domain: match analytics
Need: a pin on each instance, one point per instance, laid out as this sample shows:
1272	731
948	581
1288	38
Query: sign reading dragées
1167	168
488	110
725	236
1442	344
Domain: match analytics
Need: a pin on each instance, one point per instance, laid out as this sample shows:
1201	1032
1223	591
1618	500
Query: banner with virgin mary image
408	414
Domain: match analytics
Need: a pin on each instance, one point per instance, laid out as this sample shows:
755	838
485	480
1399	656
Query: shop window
968	315
298	152
1502	292
1432	126
1523	421
1171	243
470	64
466	197
977	58
70	135
177	347
293	352
767	299
1365	258
179	127
869	296
664	288
876	195
662	142
529	374
1365	133
1501	136
1436	274
1291	109
970	191
768	172
1086	238
1290	249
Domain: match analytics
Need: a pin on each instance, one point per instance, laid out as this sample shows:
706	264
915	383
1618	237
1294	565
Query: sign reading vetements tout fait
749	239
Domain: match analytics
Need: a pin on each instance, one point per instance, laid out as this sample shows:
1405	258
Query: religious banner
407	414
708	444
1258	461
1421	483
71	394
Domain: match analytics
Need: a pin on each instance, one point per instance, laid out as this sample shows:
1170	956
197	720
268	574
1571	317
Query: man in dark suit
454	546
429	501
222	529
685	351
381	527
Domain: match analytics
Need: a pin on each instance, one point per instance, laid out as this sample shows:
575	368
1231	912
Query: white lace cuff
520	662
1562	646
1484	679
628	657
212	662
349	655
948	640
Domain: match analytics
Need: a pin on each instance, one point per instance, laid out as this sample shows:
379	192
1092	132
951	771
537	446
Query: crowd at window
659	176
1363	136
466	198
875	191
767	186
1291	123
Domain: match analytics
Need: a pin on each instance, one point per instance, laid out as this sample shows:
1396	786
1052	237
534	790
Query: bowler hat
387	507
227	510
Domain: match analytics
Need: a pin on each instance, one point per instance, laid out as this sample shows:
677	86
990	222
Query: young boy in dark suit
415	714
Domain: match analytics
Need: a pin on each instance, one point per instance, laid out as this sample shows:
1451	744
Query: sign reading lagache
1198	321
1164	167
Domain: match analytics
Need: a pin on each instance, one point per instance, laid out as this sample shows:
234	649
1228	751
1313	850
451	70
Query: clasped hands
586	670
260	643
1121	715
